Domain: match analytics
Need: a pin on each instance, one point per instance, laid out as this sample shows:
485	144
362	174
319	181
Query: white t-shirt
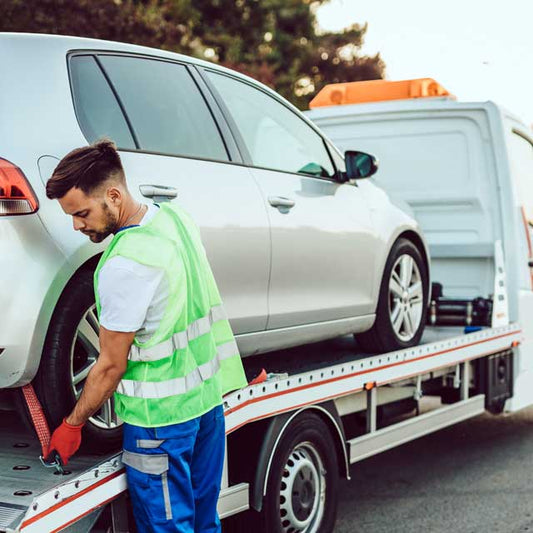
133	296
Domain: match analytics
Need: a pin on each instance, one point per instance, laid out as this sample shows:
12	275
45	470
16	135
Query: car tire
303	480
70	349
402	305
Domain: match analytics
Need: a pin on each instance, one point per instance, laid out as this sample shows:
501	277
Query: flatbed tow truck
344	399
325	406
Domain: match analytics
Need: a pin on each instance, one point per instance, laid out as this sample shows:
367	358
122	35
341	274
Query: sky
477	49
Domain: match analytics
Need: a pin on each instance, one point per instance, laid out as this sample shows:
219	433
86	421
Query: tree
274	41
153	23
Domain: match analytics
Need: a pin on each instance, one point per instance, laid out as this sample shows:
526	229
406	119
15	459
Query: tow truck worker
167	351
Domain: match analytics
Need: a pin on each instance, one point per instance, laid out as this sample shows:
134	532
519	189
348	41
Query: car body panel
323	250
233	224
28	266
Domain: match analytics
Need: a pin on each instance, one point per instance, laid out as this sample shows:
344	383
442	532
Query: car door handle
280	201
158	193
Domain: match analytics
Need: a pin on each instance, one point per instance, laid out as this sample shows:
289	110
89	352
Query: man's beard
111	226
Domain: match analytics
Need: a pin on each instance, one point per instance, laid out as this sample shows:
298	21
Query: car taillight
16	194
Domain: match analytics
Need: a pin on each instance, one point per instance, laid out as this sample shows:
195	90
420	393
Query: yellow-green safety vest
192	359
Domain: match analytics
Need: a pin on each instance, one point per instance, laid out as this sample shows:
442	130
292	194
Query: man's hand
66	440
100	385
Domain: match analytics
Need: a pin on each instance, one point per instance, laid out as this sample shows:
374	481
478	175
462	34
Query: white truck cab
466	171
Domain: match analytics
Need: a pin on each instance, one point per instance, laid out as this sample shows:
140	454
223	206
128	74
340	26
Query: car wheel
302	486
70	351
402	305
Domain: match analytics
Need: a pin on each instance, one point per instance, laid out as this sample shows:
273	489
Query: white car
302	249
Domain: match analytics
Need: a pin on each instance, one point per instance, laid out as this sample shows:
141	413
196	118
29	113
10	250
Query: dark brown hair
86	168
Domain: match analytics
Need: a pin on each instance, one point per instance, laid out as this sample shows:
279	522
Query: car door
170	135
323	240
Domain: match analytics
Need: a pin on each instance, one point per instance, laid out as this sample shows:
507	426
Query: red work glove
66	440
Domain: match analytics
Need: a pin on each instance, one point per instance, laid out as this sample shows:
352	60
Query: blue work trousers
174	474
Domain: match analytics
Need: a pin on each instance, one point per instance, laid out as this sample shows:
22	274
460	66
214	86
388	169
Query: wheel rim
303	490
83	355
406	297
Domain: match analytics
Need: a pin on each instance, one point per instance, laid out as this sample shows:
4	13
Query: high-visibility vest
192	359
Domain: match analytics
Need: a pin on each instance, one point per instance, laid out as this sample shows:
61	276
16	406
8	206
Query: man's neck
133	215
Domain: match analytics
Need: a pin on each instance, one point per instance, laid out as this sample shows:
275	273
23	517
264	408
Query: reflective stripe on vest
172	387
179	340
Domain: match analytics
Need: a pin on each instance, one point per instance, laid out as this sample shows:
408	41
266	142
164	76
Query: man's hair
86	168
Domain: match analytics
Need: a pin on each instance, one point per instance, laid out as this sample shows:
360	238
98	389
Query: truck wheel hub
302	493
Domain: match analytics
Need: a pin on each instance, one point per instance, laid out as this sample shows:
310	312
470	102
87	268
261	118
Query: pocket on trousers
150	475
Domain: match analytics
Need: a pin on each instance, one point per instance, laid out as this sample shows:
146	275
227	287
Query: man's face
94	215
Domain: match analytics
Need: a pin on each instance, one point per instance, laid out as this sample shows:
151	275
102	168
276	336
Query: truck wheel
70	351
302	485
402	305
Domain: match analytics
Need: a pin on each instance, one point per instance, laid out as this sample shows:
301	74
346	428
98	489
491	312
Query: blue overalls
174	474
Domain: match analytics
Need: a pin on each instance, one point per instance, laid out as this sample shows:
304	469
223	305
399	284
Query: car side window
166	109
275	136
96	107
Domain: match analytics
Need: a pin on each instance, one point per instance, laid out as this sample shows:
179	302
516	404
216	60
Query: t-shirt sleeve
126	289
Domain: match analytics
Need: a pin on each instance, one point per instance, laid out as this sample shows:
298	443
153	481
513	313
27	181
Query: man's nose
78	224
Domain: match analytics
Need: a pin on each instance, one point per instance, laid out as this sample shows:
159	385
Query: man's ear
114	195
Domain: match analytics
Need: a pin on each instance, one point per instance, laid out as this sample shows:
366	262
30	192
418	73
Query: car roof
64	44
69	43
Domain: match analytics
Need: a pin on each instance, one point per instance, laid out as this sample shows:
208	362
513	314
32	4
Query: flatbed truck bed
332	378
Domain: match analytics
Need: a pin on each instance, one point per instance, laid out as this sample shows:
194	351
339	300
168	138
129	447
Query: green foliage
274	41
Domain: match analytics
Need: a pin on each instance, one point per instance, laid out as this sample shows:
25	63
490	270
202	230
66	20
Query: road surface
474	477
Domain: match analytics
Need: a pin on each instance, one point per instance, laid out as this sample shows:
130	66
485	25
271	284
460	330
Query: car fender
390	222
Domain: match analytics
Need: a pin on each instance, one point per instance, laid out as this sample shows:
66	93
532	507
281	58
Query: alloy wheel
83	355
405	297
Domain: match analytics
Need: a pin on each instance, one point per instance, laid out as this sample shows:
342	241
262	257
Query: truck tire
70	350
302	484
402	305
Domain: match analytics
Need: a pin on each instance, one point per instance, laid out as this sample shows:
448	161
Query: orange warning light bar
358	92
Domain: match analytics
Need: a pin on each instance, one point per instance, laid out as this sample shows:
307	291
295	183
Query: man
166	346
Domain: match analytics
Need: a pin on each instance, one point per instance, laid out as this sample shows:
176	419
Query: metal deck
22	475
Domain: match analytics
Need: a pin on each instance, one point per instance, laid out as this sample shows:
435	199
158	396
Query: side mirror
359	165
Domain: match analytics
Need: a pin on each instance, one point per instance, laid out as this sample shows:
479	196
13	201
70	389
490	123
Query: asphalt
474	477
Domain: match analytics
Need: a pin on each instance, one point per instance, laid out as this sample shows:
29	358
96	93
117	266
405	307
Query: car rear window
165	107
97	109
